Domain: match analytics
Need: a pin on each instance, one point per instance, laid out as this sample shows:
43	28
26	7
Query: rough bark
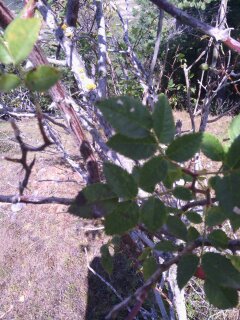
183	17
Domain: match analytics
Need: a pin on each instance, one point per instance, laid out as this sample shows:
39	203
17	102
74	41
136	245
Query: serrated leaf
234	128
184	147
166	246
152	172
220	297
163	122
149	267
174	173
215	216
42	78
212	148
136	174
233	154
21	35
192	234
235	260
127	115
8	82
5	56
153	214
121	182
227	193
186	269
106	259
219	269
145	254
98	192
182	193
177	227
193	217
135	149
218	238
123	218
94	201
92	210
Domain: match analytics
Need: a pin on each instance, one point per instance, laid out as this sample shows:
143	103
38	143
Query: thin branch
142	292
217	33
35	200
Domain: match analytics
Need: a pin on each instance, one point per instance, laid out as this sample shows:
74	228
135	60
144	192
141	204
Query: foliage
15	46
150	196
130	210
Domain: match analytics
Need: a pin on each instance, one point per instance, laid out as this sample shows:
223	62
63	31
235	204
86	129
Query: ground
43	266
44	250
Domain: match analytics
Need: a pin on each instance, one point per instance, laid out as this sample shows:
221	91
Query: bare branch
35	200
216	33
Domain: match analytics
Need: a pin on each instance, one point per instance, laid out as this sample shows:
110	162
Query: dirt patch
43	269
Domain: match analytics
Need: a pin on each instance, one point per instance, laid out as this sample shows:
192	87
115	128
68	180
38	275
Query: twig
35	200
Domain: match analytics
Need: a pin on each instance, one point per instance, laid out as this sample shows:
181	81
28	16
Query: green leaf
193	217
42	78
177	227
233	154
127	115
106	259
220	297
21	35
192	234
121	182
135	149
5	56
212	148
145	254
185	147
94	201
186	269
163	122
218	238
174	173
149	267
215	216
153	214
152	172
235	260
8	82
182	193
94	210
234	128
227	193
123	218
166	246
220	270
98	192
136	174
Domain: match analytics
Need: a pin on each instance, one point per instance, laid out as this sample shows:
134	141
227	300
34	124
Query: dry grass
43	271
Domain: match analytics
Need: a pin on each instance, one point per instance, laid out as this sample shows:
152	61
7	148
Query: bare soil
43	265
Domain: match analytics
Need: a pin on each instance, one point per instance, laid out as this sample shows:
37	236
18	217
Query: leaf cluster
160	157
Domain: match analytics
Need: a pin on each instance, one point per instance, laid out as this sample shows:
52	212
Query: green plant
148	139
15	46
